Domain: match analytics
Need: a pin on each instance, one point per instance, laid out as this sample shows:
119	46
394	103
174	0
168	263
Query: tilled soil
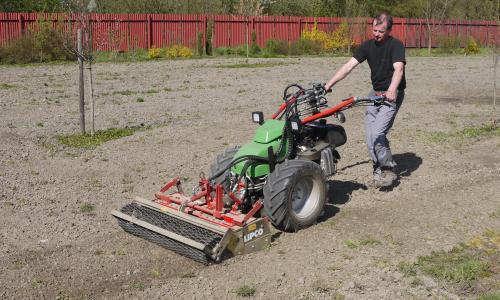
192	110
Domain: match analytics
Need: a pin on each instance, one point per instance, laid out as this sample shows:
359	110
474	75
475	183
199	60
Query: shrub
177	51
208	46
304	46
312	39
154	53
199	44
221	51
274	47
449	44
472	47
254	49
46	44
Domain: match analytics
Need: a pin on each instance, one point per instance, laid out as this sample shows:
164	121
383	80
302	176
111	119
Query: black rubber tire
280	190
222	161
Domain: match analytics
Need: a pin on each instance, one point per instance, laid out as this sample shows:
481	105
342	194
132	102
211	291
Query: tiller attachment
198	227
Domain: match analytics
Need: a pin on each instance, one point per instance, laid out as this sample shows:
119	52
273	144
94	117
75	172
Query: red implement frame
322	114
207	204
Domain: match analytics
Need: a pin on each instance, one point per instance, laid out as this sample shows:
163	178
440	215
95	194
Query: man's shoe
389	175
382	179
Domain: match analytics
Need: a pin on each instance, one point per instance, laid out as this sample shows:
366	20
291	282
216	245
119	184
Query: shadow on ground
407	164
338	192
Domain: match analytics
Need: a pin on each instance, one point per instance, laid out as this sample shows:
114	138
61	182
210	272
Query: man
386	58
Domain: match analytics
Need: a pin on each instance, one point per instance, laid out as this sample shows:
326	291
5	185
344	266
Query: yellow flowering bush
337	40
154	53
472	47
178	51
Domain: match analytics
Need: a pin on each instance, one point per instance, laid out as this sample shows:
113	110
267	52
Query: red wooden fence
129	31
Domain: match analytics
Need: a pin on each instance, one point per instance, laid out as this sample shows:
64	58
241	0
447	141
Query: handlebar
311	102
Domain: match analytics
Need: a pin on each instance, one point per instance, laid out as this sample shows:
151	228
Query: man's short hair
383	17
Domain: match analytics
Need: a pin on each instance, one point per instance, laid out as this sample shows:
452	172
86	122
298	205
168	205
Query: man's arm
342	73
396	79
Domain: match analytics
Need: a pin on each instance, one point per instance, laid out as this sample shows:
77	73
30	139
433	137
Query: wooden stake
81	81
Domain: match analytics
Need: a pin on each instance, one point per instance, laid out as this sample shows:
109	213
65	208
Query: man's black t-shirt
381	58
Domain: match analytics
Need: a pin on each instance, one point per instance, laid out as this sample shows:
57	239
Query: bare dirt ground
449	190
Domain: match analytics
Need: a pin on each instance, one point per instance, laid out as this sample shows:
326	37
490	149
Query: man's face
380	32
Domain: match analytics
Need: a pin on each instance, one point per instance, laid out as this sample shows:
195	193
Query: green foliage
276	47
491	295
485	130
87	208
254	49
245	291
407	268
450	44
30	5
456	266
6	86
43	45
256	65
306	47
458	9
114	56
210	30
100	137
199	44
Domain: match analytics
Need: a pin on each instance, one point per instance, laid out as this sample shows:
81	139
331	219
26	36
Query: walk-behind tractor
278	178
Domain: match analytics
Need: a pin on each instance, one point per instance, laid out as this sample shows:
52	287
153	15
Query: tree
434	12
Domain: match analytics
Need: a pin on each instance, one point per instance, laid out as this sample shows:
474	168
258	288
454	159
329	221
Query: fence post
21	24
149	29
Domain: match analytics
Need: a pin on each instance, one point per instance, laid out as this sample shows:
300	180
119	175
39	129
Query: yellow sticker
252	227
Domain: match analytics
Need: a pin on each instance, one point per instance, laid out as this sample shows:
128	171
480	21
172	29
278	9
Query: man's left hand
391	96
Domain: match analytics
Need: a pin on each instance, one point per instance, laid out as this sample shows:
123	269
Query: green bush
255	49
199	44
221	51
305	46
276	47
449	44
46	44
208	46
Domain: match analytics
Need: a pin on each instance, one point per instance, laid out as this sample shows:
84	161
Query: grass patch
152	91
491	295
458	266
155	273
129	56
438	52
351	244
407	268
140	100
87	208
88	141
244	291
485	130
256	65
495	214
6	86
370	241
124	93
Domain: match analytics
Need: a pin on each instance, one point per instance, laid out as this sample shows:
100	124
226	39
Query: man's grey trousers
378	121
